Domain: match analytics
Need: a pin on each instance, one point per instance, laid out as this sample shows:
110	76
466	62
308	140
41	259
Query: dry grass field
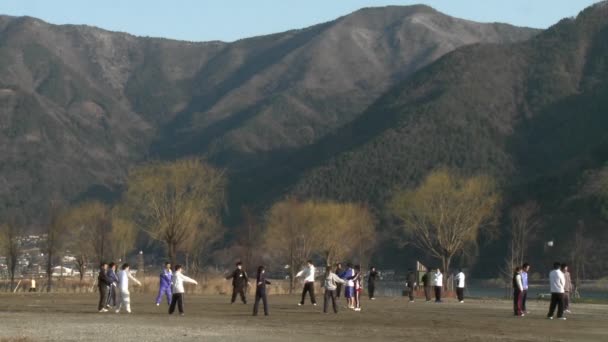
64	317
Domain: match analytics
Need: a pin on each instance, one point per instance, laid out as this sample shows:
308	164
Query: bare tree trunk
49	271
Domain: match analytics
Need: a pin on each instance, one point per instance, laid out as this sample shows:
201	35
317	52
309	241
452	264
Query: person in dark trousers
410	283
438	284
339	272
177	283
517	292
331	285
239	283
427	282
557	280
460	283
260	291
371	282
113	287
524	282
308	273
104	283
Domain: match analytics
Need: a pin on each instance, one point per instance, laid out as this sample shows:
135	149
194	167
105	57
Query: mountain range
349	109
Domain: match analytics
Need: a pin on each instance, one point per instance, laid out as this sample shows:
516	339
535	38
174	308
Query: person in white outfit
438	283
460	278
557	280
123	287
177	287
308	273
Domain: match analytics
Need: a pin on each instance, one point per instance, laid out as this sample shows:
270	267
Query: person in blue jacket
165	284
349	289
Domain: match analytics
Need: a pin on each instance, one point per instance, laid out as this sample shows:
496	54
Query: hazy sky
228	20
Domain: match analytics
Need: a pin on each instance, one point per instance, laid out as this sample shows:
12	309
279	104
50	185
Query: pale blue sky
228	20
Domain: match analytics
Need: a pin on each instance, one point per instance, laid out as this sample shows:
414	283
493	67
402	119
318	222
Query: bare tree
291	233
11	246
446	212
55	239
89	227
347	230
582	248
173	202
524	224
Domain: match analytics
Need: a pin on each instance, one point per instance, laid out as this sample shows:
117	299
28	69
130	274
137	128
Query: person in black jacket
239	283
260	291
427	283
111	273
104	283
371	282
411	284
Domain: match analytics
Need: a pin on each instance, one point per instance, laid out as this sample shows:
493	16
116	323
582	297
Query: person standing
164	287
103	283
331	286
524	281
32	285
557	281
567	288
308	274
460	281
123	286
339	272
177	282
239	283
371	282
349	289
410	283
260	291
438	283
517	292
112	290
358	288
427	282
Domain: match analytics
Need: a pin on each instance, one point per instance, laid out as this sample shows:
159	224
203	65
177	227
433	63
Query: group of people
113	285
561	288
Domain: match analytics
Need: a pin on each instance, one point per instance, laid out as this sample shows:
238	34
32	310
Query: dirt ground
61	317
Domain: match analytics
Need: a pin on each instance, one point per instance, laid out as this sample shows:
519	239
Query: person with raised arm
438	284
331	287
308	274
177	283
123	287
239	283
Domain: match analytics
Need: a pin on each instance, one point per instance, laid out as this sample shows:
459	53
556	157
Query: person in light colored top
308	274
177	287
524	281
557	280
123	287
518	289
567	288
460	278
438	283
331	288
